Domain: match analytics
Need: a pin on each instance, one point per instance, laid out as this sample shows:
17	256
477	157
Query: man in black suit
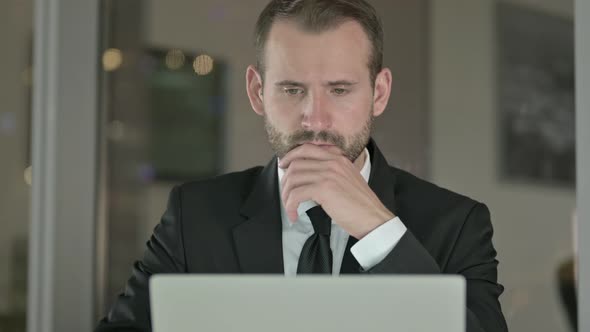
329	202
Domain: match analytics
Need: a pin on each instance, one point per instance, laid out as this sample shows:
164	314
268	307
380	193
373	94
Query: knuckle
294	165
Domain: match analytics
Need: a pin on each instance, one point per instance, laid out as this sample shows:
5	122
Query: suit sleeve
164	254
472	256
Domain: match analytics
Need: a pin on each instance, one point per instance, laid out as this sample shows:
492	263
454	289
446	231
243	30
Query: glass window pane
15	162
482	104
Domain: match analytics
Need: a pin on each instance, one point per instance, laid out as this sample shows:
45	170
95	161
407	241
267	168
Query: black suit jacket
232	224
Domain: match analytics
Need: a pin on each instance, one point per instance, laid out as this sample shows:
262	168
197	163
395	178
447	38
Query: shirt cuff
375	246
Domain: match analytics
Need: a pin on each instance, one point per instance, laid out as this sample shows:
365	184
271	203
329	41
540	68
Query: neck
360	161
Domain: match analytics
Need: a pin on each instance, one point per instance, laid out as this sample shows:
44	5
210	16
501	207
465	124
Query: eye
293	91
339	91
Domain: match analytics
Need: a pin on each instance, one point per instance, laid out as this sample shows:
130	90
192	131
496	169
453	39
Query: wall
532	223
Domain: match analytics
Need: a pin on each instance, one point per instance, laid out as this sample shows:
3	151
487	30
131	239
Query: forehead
292	51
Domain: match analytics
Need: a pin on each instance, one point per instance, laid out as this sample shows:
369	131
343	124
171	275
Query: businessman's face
317	88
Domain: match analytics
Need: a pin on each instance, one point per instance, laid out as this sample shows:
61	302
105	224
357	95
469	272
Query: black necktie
316	255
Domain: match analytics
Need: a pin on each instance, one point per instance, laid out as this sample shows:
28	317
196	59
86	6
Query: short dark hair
320	15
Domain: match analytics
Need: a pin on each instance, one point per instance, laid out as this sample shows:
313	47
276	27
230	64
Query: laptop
272	303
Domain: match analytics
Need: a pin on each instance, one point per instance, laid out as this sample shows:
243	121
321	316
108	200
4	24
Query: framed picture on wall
535	90
186	105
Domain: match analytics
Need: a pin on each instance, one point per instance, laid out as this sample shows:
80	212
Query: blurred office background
482	103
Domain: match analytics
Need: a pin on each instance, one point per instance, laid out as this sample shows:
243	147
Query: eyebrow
300	84
289	83
342	83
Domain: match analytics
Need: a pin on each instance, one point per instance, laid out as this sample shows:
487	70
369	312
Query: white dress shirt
368	251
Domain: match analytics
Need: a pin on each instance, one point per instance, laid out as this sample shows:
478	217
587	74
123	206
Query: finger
304	165
310	151
298	195
299	179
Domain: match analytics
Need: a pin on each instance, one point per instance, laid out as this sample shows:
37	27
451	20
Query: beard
351	146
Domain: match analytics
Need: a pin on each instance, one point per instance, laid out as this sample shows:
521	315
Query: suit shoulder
230	185
417	189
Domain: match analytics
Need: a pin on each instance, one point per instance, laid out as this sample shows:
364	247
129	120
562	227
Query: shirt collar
304	206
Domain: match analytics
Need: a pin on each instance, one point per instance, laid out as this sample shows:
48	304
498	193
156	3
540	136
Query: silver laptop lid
267	303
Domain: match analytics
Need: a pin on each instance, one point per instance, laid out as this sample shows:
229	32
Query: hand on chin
324	175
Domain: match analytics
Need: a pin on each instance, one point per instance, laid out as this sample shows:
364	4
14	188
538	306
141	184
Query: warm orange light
112	59
203	64
175	59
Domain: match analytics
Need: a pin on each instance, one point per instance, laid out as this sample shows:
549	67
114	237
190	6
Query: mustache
302	136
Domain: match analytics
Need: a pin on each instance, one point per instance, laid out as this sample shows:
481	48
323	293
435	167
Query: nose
315	115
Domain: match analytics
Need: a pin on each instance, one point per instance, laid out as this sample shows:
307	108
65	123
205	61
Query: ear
382	91
254	88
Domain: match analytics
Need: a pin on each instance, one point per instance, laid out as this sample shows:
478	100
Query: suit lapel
382	178
258	240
